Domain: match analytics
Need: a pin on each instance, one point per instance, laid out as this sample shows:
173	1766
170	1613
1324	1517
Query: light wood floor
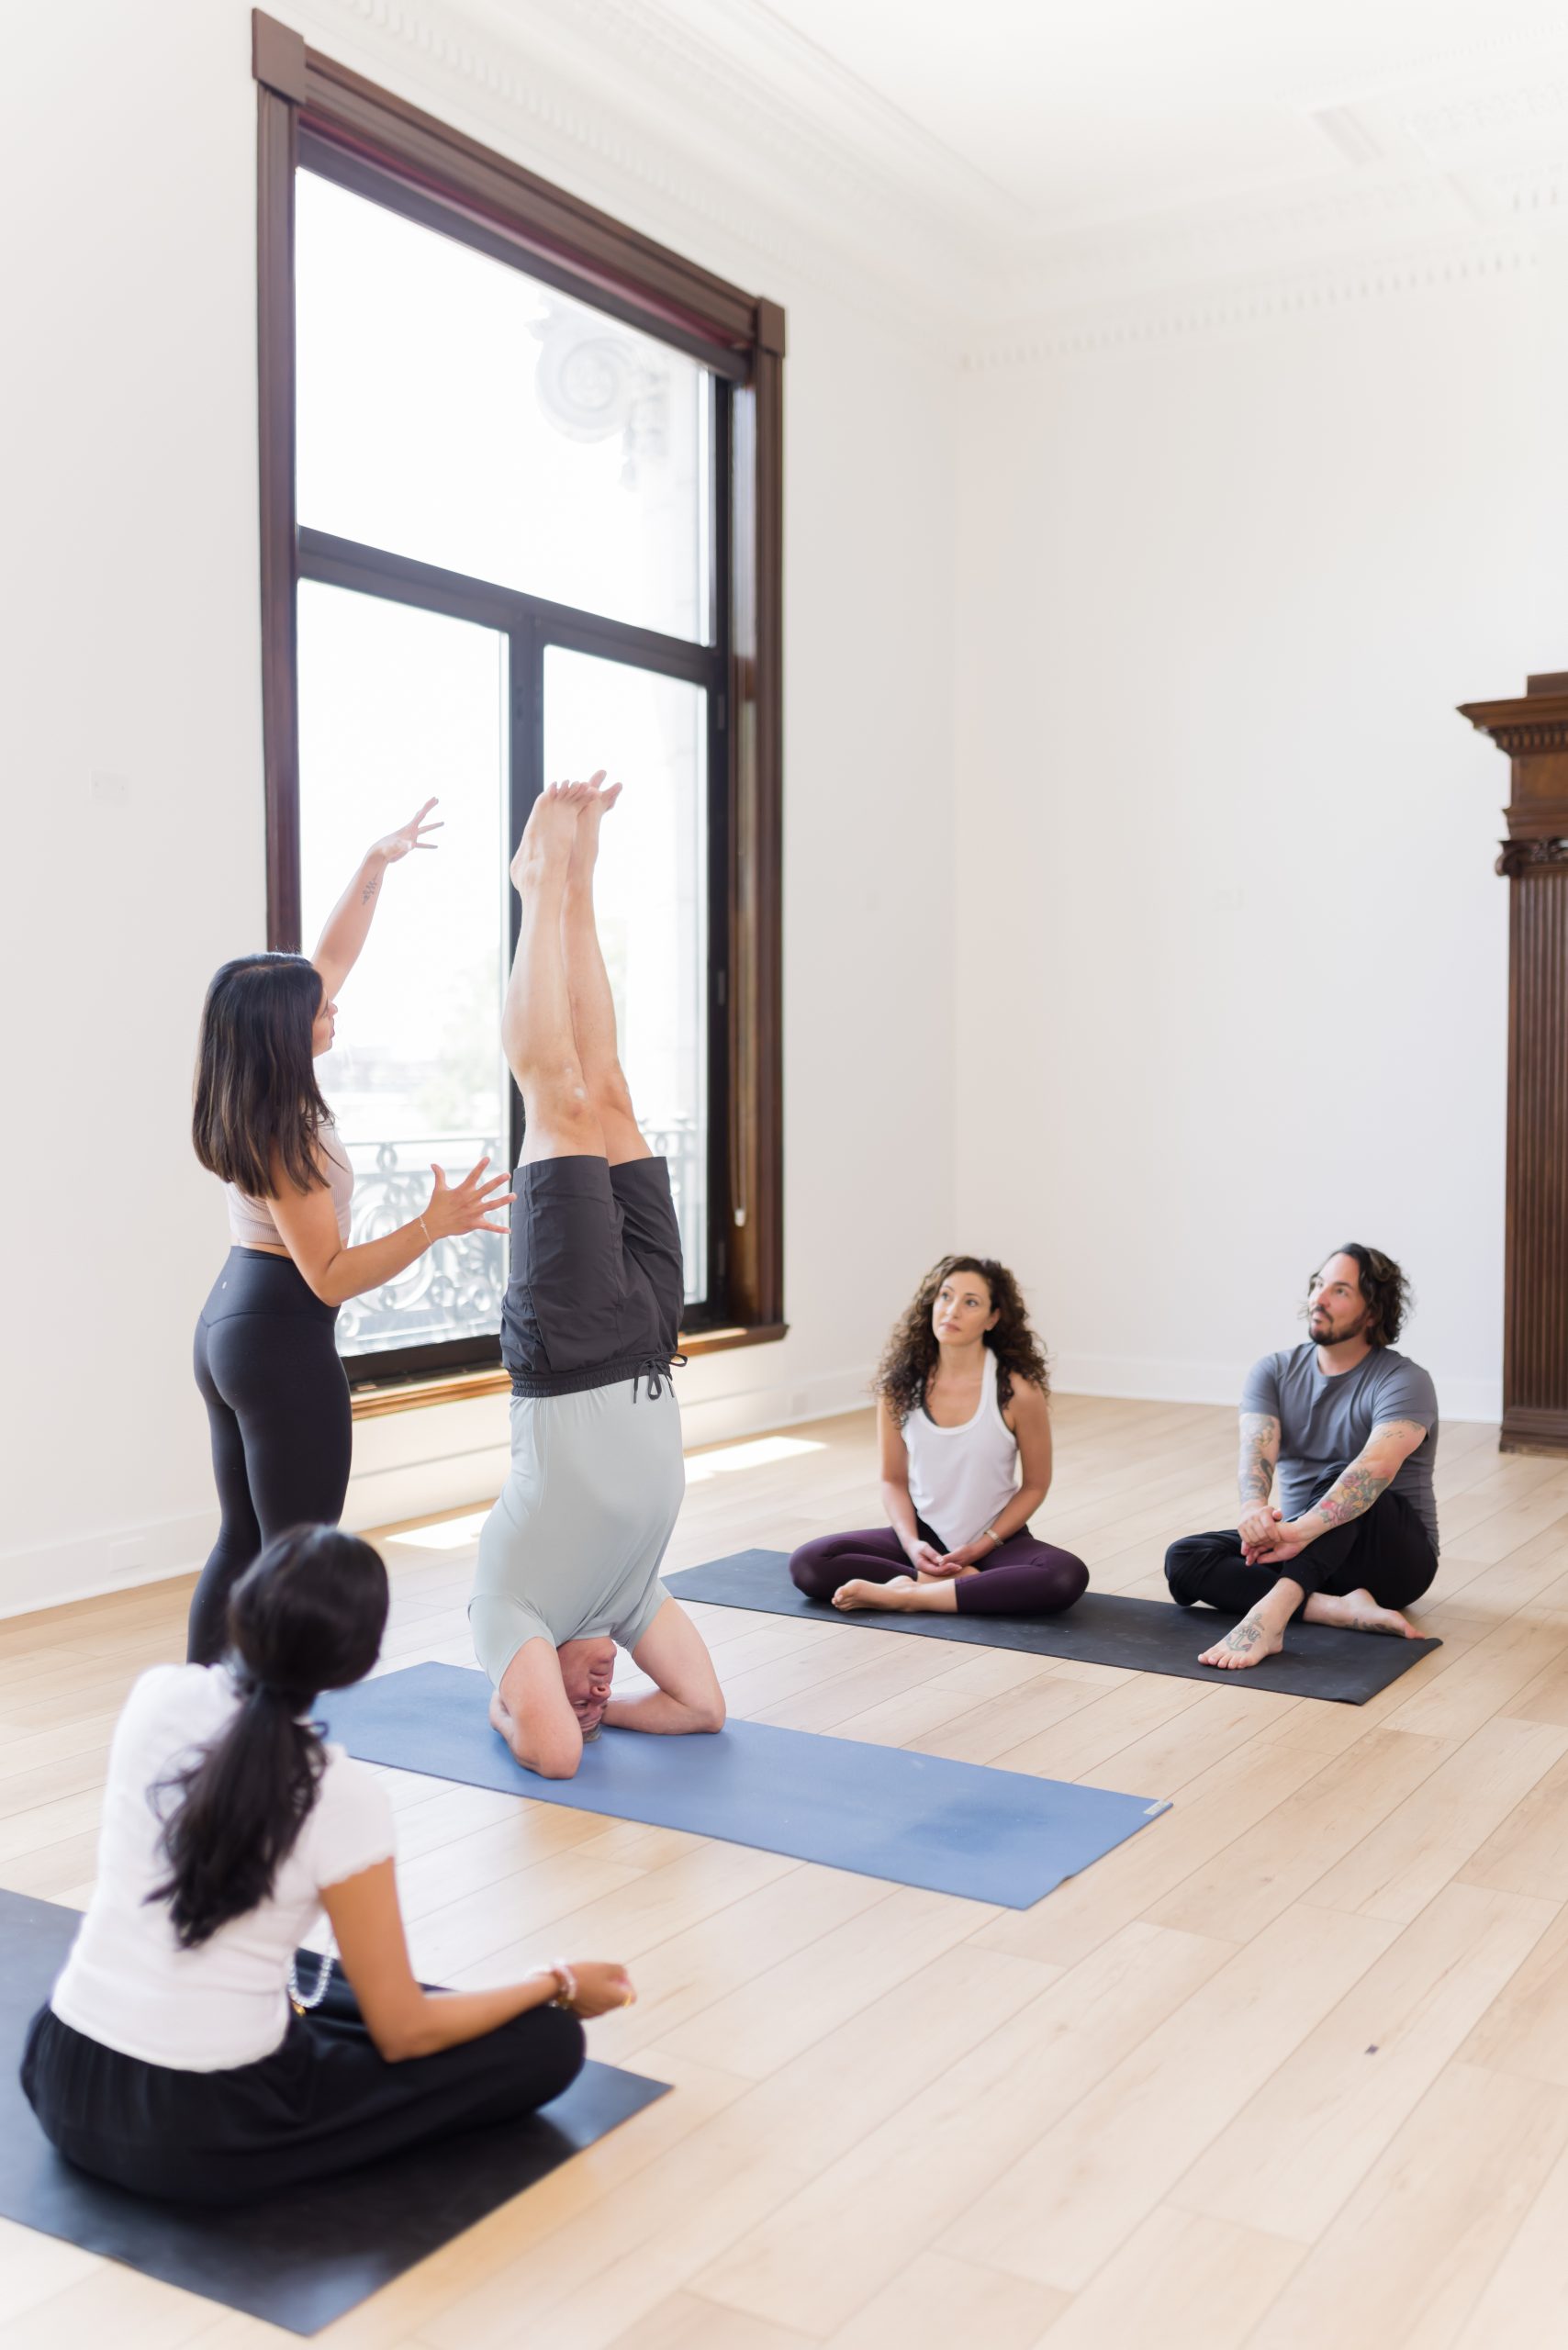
1288	2068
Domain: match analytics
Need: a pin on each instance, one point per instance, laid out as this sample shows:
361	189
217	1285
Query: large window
520	519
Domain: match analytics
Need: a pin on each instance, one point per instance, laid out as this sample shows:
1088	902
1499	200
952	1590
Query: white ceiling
998	162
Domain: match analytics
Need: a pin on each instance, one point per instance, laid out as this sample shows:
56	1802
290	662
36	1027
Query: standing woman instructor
266	1357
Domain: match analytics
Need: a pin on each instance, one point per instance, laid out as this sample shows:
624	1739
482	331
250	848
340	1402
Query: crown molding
771	196
1040	342
728	134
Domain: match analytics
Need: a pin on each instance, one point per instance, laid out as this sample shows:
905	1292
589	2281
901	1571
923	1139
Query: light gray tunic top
572	1548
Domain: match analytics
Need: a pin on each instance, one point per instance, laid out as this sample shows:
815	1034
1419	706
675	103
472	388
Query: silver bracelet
567	1994
426	1230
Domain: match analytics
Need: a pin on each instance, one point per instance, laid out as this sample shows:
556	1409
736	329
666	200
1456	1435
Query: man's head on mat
587	1668
1356	1293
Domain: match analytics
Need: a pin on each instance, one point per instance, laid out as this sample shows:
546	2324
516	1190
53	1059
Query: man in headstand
1352	1429
569	1558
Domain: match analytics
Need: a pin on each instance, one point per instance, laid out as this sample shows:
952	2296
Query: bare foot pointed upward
551	831
598	798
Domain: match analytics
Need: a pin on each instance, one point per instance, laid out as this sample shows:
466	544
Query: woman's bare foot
1358	1611
906	1595
1246	1643
859	1594
551	831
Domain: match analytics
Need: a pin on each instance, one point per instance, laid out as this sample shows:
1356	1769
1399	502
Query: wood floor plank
1108	2162
937	2303
1413	2254
1395	1870
1175	2285
1292	2160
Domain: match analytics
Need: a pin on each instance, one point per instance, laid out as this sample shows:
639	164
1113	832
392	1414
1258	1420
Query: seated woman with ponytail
179	2055
964	1424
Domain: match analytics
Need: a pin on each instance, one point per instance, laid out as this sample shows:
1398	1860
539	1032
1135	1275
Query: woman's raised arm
348	925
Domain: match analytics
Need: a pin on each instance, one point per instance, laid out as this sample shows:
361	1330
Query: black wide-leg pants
1386	1550
324	2101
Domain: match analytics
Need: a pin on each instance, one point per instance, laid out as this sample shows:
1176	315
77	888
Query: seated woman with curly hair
964	1422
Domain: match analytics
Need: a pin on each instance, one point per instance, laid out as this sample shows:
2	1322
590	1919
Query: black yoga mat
301	2259
1138	1635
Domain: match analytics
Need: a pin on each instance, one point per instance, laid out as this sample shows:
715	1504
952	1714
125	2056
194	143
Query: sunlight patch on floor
759	1452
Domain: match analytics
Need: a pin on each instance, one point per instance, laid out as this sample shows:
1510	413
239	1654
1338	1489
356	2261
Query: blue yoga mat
997	1836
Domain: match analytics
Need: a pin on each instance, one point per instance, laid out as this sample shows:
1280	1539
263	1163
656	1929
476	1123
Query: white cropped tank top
960	1478
251	1223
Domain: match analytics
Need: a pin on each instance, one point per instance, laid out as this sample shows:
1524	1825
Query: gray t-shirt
1325	1421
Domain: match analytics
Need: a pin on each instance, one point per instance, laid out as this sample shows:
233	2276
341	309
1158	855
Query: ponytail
309	1616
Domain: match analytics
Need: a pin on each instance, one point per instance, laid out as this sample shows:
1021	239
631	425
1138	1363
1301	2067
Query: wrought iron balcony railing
454	1290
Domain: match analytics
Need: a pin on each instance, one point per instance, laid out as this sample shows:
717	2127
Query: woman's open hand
924	1557
409	835
455	1208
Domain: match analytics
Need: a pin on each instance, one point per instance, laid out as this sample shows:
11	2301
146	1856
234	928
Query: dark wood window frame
315	111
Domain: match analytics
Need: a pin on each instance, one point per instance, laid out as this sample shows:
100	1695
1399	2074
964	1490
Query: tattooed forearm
1260	1452
373	883
1351	1496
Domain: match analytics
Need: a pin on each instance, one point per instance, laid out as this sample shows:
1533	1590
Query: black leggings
277	1400
323	2102
1386	1550
1023	1577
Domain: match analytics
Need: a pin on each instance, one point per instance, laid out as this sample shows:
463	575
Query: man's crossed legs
1360	1575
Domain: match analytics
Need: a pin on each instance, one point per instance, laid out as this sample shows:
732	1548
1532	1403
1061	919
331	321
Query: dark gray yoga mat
297	2260
1139	1635
997	1836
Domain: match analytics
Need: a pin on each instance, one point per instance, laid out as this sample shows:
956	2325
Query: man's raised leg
536	1020
587	983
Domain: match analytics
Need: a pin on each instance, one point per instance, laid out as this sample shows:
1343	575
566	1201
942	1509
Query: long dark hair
255	1093
911	1354
1384	1286
309	1616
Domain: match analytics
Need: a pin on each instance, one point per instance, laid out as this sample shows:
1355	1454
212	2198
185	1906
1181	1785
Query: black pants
323	2102
277	1400
1386	1550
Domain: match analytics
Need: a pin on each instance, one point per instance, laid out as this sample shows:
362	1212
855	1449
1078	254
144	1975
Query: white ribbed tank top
960	1478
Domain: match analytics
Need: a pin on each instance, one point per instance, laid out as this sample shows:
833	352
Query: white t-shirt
127	1982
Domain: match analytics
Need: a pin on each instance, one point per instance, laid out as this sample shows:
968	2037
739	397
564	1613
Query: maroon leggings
1021	1577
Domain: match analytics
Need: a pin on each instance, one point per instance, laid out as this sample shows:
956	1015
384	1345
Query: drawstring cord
655	1370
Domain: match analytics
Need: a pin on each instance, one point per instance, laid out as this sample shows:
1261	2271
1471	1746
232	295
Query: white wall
131	738
1232	956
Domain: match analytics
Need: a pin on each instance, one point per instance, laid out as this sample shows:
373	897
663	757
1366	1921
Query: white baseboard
1154	1380
414	1464
87	1566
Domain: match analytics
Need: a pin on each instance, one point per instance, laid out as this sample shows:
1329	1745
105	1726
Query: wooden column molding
1532	730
